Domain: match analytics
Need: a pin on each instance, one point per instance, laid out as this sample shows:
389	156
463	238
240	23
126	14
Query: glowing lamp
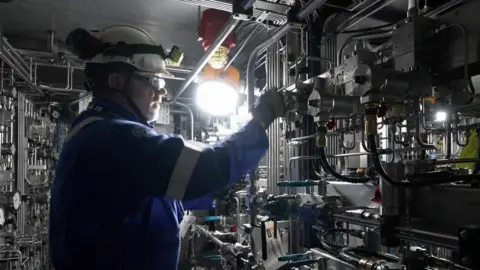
210	26
441	116
217	98
217	93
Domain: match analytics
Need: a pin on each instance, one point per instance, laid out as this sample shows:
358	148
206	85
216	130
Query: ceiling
171	22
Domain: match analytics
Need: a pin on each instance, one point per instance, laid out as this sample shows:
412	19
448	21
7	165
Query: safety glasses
156	82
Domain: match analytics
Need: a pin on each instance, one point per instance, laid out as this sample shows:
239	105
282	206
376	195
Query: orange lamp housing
231	75
210	26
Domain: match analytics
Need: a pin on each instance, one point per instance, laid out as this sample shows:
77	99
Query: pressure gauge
17	200
2	216
55	114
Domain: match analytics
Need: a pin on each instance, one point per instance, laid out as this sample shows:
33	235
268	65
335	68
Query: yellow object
176	57
231	75
469	151
219	58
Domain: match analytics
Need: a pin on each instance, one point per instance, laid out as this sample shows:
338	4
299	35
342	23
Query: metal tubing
309	8
369	14
224	33
357	221
371	35
23	76
14	52
192	120
328	256
418	138
241	47
253	57
62	90
79	99
16	63
290	163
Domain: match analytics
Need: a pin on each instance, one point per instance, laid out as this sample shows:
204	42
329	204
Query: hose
421	183
330	170
333	248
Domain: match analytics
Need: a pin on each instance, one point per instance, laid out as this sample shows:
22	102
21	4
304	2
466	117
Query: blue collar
115	108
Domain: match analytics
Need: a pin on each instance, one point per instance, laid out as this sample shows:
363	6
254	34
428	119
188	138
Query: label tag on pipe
187	222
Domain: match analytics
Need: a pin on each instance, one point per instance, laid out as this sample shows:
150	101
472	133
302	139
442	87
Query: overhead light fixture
441	116
217	98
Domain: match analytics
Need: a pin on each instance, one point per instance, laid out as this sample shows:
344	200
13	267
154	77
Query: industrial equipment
375	166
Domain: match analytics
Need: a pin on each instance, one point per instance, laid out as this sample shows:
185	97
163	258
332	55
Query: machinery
375	166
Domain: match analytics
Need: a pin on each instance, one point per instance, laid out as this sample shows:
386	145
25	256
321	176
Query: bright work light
216	98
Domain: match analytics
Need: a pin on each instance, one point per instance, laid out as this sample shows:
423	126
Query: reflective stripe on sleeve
184	168
80	126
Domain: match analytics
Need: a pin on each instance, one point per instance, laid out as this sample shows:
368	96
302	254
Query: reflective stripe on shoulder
184	169
80	126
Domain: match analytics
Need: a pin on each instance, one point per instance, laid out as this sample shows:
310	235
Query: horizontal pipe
62	90
328	256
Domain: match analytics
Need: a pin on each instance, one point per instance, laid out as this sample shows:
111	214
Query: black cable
330	170
421	183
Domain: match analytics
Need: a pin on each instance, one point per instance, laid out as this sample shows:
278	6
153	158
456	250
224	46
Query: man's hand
271	105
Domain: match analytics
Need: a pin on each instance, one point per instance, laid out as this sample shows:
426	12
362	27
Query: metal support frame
223	34
11	57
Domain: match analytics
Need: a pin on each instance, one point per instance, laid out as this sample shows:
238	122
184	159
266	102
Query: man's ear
116	81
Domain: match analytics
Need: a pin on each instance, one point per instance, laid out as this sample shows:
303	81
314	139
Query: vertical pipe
21	158
192	119
253	57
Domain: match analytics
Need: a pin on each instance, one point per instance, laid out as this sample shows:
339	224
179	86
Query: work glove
270	106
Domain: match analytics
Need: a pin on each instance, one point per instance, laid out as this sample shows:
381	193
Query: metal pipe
371	35
291	160
309	8
241	47
62	90
192	120
239	235
18	63
79	99
14	52
418	138
223	34
23	76
448	145
253	57
325	254
357	221
369	14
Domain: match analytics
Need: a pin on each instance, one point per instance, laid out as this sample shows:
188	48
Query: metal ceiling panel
170	22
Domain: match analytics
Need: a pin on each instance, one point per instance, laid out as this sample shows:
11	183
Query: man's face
147	92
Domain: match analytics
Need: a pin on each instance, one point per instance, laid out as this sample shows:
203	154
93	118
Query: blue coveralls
109	208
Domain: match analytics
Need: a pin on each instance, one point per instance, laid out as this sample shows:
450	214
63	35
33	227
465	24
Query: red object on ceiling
210	26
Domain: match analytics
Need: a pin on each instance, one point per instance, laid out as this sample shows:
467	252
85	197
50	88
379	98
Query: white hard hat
131	45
